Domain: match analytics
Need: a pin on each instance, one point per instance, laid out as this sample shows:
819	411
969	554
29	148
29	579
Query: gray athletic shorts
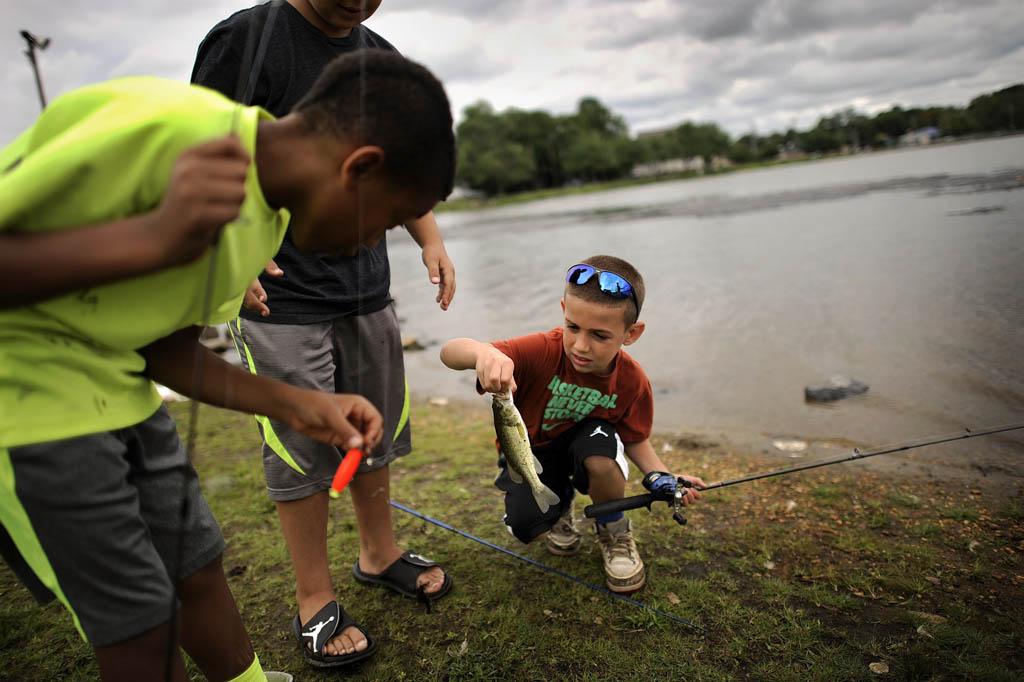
96	521
355	354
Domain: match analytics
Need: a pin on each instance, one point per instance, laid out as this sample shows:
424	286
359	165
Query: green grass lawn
813	576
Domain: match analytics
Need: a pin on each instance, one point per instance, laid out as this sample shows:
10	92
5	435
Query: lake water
902	269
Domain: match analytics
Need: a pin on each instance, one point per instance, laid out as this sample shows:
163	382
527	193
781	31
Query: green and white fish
523	465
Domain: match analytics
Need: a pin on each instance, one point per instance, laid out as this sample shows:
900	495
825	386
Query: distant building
919	136
669	167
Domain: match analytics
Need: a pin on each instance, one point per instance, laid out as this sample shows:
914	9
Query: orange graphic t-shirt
552	396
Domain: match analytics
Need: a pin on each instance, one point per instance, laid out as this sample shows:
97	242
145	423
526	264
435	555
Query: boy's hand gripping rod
645	500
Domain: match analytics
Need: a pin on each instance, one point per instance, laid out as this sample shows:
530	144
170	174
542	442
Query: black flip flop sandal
320	629
401	577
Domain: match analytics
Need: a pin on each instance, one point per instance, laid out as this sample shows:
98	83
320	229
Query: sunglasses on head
610	283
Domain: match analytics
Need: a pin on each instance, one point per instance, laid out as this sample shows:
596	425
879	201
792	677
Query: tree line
518	150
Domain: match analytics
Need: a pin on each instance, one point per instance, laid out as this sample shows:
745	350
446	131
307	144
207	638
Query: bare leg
606	481
304	524
211	632
211	629
371	500
140	658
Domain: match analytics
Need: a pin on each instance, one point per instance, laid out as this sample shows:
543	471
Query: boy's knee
600	467
207	578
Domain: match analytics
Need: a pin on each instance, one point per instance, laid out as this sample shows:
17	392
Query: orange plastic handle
346	470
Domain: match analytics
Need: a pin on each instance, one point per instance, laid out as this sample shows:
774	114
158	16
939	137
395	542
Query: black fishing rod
637	501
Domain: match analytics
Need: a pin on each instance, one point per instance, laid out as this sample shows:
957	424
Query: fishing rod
464	534
637	501
252	59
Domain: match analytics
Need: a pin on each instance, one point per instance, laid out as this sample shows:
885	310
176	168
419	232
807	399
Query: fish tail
545	497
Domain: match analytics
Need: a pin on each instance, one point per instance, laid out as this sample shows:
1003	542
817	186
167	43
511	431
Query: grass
803	577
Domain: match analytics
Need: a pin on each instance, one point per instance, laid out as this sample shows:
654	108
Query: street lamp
33	43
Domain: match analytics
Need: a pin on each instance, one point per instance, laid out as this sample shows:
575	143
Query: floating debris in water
790	445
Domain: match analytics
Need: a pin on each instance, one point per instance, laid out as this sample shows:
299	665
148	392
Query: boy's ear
633	333
360	163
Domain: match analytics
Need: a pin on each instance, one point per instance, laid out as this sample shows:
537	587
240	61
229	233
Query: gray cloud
742	63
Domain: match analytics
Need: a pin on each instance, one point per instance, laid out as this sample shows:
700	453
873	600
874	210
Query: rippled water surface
902	269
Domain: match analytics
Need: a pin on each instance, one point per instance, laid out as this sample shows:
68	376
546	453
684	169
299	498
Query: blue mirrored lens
614	285
579	274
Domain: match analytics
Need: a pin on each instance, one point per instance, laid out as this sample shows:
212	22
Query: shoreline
478	204
916	465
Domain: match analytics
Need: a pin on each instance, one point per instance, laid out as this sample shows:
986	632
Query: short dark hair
590	291
374	96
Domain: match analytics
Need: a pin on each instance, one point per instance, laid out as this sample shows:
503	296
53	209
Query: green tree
706	140
1001	110
488	160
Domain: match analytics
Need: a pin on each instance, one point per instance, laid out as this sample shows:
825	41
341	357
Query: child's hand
341	419
494	370
255	296
206	192
663	485
441	272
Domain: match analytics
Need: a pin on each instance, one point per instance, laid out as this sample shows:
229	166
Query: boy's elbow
457	354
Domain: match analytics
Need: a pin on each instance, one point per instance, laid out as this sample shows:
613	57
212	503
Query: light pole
33	43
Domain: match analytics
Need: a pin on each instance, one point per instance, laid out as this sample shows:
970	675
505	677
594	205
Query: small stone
878	668
439	402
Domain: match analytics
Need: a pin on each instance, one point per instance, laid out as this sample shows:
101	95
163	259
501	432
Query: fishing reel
675	498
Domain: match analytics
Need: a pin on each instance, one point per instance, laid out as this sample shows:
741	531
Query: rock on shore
839	386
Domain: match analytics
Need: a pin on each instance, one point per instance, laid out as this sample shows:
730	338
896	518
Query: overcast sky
745	64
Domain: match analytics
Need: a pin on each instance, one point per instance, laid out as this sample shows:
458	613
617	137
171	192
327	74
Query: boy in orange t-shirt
587	406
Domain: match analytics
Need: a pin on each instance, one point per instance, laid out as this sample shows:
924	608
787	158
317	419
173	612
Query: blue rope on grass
464	534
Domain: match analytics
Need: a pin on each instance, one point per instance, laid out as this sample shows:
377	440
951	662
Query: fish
523	465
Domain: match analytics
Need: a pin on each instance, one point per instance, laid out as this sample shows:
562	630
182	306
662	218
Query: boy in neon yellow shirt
109	205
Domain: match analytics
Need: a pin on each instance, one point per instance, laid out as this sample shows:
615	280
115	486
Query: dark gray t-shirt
315	287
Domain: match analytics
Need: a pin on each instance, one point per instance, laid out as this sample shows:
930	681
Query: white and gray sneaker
623	567
563	539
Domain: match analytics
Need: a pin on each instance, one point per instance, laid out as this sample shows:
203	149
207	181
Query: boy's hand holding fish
493	368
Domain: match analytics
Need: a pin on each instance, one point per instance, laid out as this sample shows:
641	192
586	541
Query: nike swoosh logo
548	427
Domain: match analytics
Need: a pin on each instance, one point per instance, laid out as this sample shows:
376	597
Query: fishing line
857	454
252	61
464	534
637	501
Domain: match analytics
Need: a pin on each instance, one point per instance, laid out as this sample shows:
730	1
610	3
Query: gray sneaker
563	539
623	567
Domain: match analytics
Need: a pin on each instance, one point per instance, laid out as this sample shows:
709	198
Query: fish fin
537	465
515	475
545	498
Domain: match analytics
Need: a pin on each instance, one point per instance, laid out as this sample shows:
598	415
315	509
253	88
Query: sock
609	518
254	673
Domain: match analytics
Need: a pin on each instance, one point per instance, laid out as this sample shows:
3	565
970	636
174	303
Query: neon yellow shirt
68	365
